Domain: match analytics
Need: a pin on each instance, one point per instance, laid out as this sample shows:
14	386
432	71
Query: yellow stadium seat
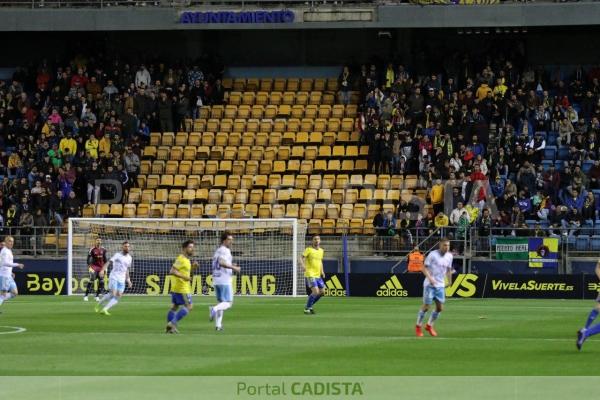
311	111
216	153
161	196
315	182
251	210
274	181
146	167
315	97
361	165
185	167
175	196
288	181
198	167
297	111
319	211
383	181
264	211
329	138
158	167
256	196
202	195
342	226
162	153
243	153
306	167
305	211
310	196
324	195
243	113
241	196
180	181
289	98
233	182
257	111
129	210
301	98
297	152
284	195
246	182
214	196
324	111
252	84
248	98
262	138
293	125
155	138
235	98
143	211
365	195
314	226
147	196
316	138
337	196
238	168
410	182
194	139
156	210
320	166
225	166
193	182
170	168
166	180
266	166
252	167
102	210
183	211
237	211
275	99
207	181
197	211
220	181
393	196
189	195
266	85
293	84
168	139
270	110
311	152
351	196
210	210
279	84
301	181
228	196
347	166
134	195
269	196
359	211
356	226
292	211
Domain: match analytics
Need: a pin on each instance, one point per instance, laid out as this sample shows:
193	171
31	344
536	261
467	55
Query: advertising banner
534	287
540	252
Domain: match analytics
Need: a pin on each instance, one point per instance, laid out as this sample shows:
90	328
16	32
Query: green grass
271	336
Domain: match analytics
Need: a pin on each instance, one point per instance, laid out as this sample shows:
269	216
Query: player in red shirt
96	259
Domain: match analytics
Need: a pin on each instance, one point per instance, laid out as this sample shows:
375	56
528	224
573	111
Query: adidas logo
334	287
392	288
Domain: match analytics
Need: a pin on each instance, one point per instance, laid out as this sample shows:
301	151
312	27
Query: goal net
265	249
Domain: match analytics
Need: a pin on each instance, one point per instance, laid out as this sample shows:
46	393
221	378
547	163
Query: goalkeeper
96	259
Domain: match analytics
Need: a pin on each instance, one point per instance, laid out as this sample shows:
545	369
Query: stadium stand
195	144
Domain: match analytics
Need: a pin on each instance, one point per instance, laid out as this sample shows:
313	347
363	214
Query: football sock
434	315
591	318
317	298
311	300
180	315
111	303
219	319
421	317
594	330
100	287
88	288
170	315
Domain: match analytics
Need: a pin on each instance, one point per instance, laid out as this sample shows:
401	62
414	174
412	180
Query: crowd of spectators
65	126
481	131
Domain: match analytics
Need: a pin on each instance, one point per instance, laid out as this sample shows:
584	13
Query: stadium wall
370	278
379	17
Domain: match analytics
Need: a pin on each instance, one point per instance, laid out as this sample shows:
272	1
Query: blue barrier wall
583	267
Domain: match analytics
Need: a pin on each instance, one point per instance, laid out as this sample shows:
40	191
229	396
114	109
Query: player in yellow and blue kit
181	292
589	329
312	262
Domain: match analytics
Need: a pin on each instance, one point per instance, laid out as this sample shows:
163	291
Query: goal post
267	251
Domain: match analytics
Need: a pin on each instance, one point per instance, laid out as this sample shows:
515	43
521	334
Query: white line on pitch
15	329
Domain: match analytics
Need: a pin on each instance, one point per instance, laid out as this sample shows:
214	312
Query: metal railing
37	241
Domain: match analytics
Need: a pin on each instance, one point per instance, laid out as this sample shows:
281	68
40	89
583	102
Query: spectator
142	77
345	85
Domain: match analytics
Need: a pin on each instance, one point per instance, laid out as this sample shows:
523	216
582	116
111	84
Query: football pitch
271	336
